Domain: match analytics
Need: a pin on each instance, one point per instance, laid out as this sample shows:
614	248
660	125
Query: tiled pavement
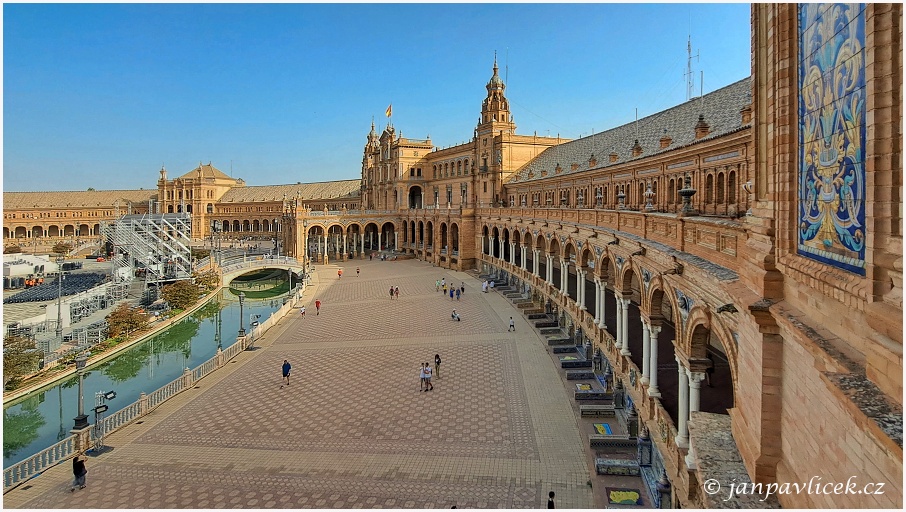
353	430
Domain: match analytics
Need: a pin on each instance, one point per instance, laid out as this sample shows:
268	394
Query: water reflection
46	417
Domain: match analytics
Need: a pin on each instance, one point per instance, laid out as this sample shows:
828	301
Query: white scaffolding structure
158	242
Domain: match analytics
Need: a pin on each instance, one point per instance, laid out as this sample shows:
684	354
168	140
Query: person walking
512	325
421	378
286	369
462	287
391	293
550	500
437	285
318	307
444	286
302	311
437	365
339	273
457	294
78	473
451	293
396	291
357	271
428	385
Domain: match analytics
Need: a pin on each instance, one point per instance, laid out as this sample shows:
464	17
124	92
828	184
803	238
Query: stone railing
21	472
38	463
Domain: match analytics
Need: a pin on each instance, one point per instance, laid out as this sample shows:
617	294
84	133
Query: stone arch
416	196
495	242
505	244
554	249
53	231
444	237
454	238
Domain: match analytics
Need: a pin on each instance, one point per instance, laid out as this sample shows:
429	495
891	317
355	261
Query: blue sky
102	95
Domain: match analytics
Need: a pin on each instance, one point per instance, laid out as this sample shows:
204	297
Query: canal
45	417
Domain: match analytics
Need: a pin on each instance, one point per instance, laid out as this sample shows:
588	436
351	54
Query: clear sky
102	95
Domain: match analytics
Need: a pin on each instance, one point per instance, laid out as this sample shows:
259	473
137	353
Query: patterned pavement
353	430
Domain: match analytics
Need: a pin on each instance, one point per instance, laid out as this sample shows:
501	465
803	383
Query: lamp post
59	330
241	313
81	421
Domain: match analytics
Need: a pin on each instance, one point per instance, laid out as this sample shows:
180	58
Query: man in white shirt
428	371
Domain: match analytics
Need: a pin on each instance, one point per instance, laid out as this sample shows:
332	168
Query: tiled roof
75	199
721	110
207	171
324	190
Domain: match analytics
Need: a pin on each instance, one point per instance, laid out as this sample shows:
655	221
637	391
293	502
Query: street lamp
81	421
59	330
241	313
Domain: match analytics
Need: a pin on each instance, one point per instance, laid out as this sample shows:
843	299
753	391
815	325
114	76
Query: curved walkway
353	430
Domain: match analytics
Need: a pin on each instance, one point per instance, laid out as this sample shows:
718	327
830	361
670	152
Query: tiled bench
574	363
578	374
542	324
610	442
603	411
554	339
621	467
565	349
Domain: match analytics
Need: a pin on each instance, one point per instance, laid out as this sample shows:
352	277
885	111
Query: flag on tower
389	111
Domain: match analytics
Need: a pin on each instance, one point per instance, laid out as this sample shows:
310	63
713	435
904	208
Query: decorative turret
636	148
495	109
702	128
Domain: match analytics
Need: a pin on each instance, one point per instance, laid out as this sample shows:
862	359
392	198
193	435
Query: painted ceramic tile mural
832	134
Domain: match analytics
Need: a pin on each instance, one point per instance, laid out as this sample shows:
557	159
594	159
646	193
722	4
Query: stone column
695	387
653	390
491	248
513	253
536	262
362	249
646	352
524	257
379	240
550	269
564	277
580	289
597	300
396	240
345	248
603	322
619	326
625	321
682	436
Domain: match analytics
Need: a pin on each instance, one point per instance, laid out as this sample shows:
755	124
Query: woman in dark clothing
79	472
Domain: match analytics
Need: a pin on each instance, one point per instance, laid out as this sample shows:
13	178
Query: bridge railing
65	449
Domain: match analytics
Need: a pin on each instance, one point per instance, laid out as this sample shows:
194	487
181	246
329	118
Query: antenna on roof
637	122
701	84
690	78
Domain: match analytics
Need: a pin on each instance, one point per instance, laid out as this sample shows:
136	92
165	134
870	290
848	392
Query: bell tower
495	109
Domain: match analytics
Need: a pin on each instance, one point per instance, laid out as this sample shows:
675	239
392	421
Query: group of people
317	308
425	374
394	292
441	285
486	285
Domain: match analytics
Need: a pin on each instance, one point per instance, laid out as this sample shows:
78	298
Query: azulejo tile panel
831	191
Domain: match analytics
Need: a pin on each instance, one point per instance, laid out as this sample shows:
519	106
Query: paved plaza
353	429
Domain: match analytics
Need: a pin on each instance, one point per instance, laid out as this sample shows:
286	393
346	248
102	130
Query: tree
180	294
124	320
62	248
20	357
12	249
208	280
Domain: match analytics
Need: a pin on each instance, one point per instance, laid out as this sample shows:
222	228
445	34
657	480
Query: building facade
737	258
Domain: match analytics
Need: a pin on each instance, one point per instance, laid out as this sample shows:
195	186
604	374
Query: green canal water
45	417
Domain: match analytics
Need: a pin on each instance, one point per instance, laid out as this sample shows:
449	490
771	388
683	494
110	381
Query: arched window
720	188
731	187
